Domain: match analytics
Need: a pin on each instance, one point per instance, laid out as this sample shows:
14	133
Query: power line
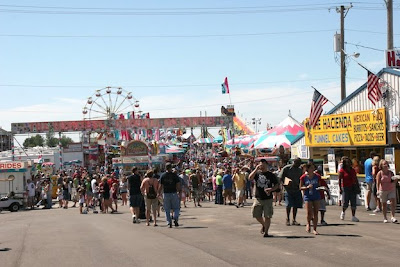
162	36
174	8
127	11
183	36
164	86
158	13
366	31
367	47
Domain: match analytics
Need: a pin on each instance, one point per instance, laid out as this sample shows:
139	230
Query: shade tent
218	139
204	141
77	161
244	141
282	134
174	150
273	141
289	127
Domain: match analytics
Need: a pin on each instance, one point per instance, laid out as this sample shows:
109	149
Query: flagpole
327	98
365	68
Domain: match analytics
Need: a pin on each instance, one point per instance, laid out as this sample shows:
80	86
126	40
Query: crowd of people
223	183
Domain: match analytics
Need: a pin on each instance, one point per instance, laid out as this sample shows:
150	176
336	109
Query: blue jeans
171	201
218	196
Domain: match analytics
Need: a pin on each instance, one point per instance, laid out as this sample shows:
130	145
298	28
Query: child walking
60	196
81	193
114	195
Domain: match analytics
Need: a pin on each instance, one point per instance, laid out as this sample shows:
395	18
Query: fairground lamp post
343	70
256	122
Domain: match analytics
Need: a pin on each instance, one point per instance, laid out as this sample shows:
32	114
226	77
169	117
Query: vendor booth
13	177
354	128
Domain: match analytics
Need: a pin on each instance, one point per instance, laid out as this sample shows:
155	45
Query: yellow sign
363	128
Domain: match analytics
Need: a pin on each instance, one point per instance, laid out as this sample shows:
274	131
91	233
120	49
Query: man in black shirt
135	195
265	183
171	184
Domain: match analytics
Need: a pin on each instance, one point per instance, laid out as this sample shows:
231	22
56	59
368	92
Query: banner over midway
102	125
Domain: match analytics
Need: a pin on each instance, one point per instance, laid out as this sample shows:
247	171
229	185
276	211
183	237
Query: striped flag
316	107
225	86
374	92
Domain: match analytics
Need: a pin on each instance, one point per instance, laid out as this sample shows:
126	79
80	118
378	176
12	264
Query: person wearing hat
265	183
170	184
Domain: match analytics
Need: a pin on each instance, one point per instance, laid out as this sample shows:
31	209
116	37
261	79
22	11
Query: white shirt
94	187
31	189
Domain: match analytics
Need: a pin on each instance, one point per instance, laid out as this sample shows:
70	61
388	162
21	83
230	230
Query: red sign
393	59
11	165
101	125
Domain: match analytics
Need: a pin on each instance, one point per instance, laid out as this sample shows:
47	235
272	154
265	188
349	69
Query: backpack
151	194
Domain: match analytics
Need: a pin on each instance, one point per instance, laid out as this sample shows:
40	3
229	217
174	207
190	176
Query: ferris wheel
109	103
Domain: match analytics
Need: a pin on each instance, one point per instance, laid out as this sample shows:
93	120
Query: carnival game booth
354	128
13	177
139	154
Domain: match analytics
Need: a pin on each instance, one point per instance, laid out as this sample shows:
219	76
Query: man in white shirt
30	188
95	191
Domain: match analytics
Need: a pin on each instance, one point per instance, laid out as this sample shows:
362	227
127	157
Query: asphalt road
208	236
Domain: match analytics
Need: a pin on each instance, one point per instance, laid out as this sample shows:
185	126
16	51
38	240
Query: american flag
316	107
374	93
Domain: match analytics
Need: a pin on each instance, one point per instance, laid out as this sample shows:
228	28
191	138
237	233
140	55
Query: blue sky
174	64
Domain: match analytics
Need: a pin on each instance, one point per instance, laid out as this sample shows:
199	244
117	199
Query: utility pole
342	10
389	6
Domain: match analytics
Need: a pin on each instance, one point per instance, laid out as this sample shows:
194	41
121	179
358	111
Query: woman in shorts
309	182
386	185
123	189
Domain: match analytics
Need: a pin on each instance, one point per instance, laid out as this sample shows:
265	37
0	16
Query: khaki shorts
151	204
261	206
227	192
386	195
369	186
239	193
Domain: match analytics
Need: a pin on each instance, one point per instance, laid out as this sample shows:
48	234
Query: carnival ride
110	103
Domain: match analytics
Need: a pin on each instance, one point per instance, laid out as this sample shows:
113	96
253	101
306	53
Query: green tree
52	141
66	140
33	141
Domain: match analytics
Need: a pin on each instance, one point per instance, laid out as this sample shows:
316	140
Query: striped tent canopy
218	139
282	134
289	127
171	149
273	141
204	141
243	141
